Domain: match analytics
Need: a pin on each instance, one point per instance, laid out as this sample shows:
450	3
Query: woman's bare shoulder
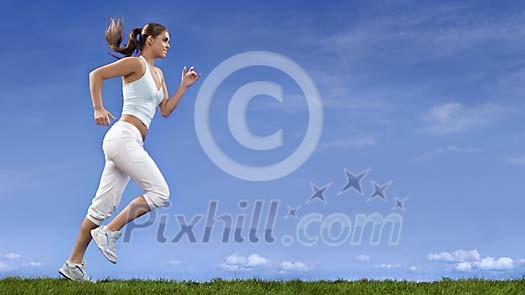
135	67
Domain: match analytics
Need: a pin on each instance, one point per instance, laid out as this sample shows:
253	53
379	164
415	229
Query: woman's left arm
188	78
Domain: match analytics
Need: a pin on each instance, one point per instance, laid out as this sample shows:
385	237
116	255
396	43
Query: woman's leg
109	193
134	209
128	155
83	239
138	164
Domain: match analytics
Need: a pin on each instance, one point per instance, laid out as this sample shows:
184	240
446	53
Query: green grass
16	285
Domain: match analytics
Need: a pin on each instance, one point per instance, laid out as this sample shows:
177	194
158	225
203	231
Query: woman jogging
144	89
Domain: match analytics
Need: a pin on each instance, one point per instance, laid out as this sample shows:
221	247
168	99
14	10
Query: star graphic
353	181
318	193
379	191
292	212
400	203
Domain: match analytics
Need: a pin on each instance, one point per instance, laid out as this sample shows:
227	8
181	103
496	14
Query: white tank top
141	97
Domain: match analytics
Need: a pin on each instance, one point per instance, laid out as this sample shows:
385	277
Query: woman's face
161	44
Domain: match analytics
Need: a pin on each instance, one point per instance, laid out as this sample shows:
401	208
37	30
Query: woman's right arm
123	67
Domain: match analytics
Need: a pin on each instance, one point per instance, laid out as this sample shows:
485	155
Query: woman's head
152	36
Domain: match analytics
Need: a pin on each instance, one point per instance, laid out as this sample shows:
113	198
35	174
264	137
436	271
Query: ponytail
136	39
114	38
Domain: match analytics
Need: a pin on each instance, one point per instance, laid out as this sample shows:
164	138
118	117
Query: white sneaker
75	271
105	240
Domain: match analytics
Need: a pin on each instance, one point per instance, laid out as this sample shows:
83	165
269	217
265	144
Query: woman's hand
102	117
189	77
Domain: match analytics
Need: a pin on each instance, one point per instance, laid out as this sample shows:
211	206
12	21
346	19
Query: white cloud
412	268
464	266
12	256
362	258
235	259
410	37
487	263
460	255
387	266
443	256
236	262
344	102
490	263
33	264
454	117
360	141
467	260
256	260
448	150
465	255
174	262
294	266
459	149
15	261
232	267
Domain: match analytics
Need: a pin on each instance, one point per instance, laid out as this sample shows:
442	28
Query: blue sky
424	94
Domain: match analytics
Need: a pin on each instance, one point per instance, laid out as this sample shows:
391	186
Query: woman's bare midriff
137	123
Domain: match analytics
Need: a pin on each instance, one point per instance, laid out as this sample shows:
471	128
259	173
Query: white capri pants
125	157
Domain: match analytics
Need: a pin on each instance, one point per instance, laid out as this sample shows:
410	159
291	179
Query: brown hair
114	37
